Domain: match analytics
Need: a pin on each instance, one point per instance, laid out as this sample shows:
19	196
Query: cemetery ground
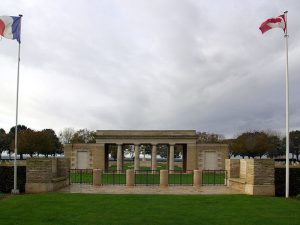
65	208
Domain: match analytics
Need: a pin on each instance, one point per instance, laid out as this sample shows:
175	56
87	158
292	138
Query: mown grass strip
62	208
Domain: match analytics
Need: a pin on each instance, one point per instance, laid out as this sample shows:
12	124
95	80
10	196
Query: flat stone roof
113	134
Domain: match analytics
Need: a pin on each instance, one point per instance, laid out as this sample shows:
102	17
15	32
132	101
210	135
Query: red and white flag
277	22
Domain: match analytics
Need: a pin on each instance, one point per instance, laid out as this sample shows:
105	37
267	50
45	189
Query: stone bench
59	182
58	179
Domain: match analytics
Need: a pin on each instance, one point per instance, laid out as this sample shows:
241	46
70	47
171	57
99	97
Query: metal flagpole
287	139
15	190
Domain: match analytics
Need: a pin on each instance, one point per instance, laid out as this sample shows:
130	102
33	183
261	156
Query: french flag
10	27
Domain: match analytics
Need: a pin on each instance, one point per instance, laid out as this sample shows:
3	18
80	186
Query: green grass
210	178
62	208
81	176
117	178
185	179
1	195
147	178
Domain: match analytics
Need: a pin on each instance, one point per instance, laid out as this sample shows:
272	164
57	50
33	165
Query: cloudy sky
159	64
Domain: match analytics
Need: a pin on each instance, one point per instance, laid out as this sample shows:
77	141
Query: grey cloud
151	65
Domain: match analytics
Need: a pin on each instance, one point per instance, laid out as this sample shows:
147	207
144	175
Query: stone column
164	178
97	177
119	157
197	178
171	158
153	158
136	156
129	178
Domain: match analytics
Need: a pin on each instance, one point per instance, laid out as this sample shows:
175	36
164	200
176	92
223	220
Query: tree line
260	143
256	143
30	142
46	142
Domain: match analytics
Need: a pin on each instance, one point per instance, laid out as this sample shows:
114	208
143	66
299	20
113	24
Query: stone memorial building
194	155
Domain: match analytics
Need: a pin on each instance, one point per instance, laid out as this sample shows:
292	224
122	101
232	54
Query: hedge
280	181
7	178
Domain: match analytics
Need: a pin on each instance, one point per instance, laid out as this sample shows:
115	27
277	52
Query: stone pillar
98	156
97	177
153	158
164	178
260	177
129	178
197	178
171	158
136	156
232	167
119	157
191	156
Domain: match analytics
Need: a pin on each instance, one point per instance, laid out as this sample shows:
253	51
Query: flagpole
287	139
16	190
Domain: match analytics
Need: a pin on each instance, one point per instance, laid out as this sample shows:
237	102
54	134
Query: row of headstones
163	178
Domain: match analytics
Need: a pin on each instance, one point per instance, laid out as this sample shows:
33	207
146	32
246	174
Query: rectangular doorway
210	160
82	160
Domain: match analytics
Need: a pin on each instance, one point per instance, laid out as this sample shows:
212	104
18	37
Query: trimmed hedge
280	181
7	178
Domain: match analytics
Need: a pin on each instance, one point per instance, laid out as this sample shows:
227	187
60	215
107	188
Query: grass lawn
146	178
1	195
62	208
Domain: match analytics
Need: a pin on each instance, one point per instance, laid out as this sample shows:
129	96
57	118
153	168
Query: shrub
7	178
280	181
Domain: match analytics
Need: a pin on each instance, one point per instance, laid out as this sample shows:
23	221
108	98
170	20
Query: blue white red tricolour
10	27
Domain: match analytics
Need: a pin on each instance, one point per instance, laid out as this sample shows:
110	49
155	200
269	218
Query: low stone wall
45	174
251	176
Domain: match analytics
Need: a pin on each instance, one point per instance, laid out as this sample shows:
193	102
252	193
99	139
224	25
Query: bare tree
66	135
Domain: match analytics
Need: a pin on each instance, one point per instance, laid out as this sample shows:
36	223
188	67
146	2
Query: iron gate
180	177
114	177
81	176
146	177
214	177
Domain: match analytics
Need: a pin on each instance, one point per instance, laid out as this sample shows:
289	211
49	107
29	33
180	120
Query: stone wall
95	151
255	176
46	174
263	172
232	166
39	170
63	167
191	162
243	169
221	151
